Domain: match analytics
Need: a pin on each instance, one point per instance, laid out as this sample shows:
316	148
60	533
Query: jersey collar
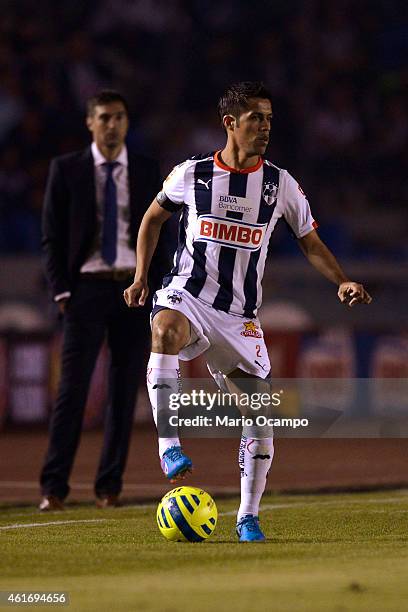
221	164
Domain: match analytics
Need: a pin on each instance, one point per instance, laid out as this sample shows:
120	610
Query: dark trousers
96	310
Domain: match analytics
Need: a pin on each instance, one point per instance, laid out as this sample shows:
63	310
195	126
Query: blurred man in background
94	202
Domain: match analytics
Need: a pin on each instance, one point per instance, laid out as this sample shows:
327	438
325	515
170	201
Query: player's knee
167	337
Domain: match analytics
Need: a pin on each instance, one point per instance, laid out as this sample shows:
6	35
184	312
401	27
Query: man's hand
353	293
62	305
136	294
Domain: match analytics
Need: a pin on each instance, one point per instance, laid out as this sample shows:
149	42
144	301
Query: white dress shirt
125	258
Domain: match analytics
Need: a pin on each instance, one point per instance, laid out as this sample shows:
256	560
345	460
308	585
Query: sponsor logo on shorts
175	297
251	330
263	366
229	232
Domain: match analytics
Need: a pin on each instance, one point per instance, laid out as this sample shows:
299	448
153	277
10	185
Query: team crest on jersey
251	330
270	193
175	297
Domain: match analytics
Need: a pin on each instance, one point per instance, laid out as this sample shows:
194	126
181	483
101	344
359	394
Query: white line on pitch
305	504
334	502
25	525
384	500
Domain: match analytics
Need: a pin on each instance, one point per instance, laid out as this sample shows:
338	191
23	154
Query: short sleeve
295	206
171	196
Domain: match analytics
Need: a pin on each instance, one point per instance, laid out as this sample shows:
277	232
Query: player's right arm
169	200
147	240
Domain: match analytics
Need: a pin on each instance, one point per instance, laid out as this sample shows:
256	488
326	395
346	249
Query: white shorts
228	341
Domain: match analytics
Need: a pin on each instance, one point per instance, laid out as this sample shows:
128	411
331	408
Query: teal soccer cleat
248	529
175	464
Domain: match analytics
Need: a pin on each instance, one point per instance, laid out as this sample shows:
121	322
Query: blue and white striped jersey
227	219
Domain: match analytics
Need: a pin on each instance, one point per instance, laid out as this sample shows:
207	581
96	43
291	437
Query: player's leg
255	457
170	333
238	348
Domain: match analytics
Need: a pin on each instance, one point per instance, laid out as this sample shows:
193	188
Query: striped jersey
226	223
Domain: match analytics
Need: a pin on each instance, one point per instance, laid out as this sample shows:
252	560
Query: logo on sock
164	386
261	457
241	456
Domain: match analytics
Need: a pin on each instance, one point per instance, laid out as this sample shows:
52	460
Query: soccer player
230	202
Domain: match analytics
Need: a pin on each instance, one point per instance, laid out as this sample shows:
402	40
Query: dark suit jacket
69	216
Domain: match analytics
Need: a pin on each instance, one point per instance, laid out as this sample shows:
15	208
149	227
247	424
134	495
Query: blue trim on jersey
203	172
251	285
238	184
180	248
198	274
271	175
226	260
226	263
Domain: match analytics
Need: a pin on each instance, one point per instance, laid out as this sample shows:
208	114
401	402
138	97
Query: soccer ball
187	514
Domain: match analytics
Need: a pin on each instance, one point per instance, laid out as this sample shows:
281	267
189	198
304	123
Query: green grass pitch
338	553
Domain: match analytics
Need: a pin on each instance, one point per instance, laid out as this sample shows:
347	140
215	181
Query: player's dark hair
106	96
234	100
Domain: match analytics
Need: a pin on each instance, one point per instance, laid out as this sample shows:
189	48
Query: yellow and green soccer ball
187	514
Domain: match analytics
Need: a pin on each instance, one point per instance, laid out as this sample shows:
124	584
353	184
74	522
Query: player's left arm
324	261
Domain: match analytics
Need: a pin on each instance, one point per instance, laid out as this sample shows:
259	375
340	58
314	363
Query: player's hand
353	293
136	294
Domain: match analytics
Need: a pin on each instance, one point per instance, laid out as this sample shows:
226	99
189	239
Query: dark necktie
110	216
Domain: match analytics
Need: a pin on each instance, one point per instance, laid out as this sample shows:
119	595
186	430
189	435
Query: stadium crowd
338	72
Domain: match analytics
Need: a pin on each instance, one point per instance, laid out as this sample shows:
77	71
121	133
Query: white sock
163	369
255	459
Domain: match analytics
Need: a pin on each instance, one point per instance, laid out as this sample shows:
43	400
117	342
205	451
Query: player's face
251	131
109	125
